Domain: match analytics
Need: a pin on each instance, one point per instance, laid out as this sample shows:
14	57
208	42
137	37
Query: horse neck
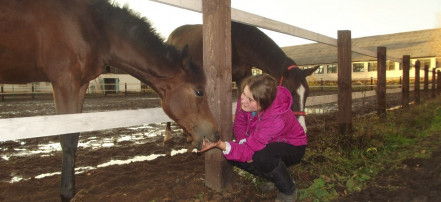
130	44
152	68
274	66
257	49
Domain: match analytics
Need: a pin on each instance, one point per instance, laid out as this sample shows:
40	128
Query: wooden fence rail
50	125
262	22
41	126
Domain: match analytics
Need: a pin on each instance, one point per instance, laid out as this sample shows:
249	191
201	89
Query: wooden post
344	116
426	79
417	82
381	81
2	91
33	91
433	83
405	86
217	66
439	82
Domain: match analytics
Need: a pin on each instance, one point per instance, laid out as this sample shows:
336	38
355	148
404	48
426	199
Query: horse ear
185	56
308	72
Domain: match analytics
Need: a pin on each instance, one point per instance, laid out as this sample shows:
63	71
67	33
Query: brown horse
252	48
69	42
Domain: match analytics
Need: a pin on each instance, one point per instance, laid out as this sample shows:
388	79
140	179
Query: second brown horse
250	48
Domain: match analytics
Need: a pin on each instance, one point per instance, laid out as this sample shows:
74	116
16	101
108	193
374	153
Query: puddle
88	142
21	148
80	170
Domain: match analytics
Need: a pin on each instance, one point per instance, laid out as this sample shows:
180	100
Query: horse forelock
196	75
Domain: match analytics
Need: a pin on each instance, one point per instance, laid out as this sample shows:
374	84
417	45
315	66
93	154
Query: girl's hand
209	145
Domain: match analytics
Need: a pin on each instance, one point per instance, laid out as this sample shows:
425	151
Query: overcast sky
362	17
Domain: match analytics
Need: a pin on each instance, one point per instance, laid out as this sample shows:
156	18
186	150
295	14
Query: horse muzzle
207	131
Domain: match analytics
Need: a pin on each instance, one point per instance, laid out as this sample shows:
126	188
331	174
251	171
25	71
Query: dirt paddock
132	164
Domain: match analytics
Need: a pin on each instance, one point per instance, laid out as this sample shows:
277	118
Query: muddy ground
173	174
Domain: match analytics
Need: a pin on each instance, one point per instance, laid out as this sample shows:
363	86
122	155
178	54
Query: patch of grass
320	189
200	196
336	165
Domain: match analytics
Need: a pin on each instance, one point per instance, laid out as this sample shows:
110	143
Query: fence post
433	83
439	82
33	91
2	91
426	78
344	80
381	81
125	89
372	83
216	28
405	86
417	82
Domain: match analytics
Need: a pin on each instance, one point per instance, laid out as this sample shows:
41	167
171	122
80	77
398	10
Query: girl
268	137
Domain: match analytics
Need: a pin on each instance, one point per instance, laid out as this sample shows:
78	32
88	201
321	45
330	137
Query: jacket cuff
227	148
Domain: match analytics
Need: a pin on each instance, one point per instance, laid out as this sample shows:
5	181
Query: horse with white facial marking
252	48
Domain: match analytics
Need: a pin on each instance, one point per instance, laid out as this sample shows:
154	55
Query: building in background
111	81
424	45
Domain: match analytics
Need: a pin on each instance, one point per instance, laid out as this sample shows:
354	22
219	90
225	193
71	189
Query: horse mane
131	25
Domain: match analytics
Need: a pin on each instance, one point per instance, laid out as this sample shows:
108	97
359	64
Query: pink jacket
275	124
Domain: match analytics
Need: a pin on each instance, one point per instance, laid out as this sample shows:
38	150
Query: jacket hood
281	104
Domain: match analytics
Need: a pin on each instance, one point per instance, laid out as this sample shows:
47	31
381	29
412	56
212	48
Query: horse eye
199	93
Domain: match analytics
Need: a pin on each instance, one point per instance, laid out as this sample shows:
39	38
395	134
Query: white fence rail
42	126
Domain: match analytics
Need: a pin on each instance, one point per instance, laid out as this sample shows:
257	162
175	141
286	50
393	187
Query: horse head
294	79
185	101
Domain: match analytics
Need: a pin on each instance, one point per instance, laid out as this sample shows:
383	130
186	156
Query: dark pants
272	162
265	160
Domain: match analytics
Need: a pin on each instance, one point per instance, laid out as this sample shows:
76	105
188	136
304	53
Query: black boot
267	186
284	182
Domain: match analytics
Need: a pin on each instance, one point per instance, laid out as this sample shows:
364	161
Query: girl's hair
263	87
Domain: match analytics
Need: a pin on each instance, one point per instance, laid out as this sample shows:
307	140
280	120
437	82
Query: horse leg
187	136
69	99
69	143
167	133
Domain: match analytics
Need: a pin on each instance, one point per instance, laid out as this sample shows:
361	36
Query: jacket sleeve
240	123
257	140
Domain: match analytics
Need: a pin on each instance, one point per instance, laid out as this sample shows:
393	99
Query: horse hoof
167	137
189	139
